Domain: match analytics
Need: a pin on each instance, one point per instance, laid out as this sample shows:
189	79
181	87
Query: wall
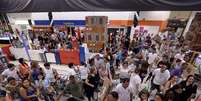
82	15
116	19
180	14
154	15
17	20
154	18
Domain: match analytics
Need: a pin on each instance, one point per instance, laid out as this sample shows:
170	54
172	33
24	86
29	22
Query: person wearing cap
2	95
10	72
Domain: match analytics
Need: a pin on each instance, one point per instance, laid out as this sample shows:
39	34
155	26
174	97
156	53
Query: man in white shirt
83	70
98	61
10	72
135	82
151	57
50	73
124	90
124	71
71	69
161	76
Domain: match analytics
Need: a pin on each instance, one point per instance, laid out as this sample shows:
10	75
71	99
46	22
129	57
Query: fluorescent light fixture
21	22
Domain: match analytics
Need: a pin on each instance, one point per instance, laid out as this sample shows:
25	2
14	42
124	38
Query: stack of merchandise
194	34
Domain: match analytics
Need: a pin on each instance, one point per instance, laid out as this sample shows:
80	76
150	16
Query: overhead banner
96	5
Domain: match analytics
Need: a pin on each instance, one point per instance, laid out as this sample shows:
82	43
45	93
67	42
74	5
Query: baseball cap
2	93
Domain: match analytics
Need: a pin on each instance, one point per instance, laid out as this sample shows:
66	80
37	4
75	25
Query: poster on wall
143	31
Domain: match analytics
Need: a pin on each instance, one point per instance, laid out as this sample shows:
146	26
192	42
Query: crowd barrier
36	55
19	53
58	57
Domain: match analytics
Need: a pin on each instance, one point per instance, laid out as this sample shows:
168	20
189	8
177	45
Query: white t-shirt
108	66
67	72
49	74
123	73
36	42
98	62
71	72
124	94
132	67
10	73
179	56
83	72
160	78
135	82
151	57
145	53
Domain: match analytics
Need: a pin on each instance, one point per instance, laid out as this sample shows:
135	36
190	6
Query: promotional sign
25	44
143	31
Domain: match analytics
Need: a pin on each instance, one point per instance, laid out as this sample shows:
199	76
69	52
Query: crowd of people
49	41
143	69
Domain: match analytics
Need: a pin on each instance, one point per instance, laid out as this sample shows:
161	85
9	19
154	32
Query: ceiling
97	5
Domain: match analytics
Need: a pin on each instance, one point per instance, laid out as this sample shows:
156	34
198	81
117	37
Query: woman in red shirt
24	71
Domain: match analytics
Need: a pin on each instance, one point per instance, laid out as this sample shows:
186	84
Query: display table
19	53
36	55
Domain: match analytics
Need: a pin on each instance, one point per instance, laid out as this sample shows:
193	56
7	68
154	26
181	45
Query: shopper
135	82
105	75
70	70
170	83
124	91
74	87
160	76
10	72
189	88
159	97
90	84
50	73
177	70
2	95
112	96
188	70
174	93
36	70
124	71
28	92
143	95
12	88
24	70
